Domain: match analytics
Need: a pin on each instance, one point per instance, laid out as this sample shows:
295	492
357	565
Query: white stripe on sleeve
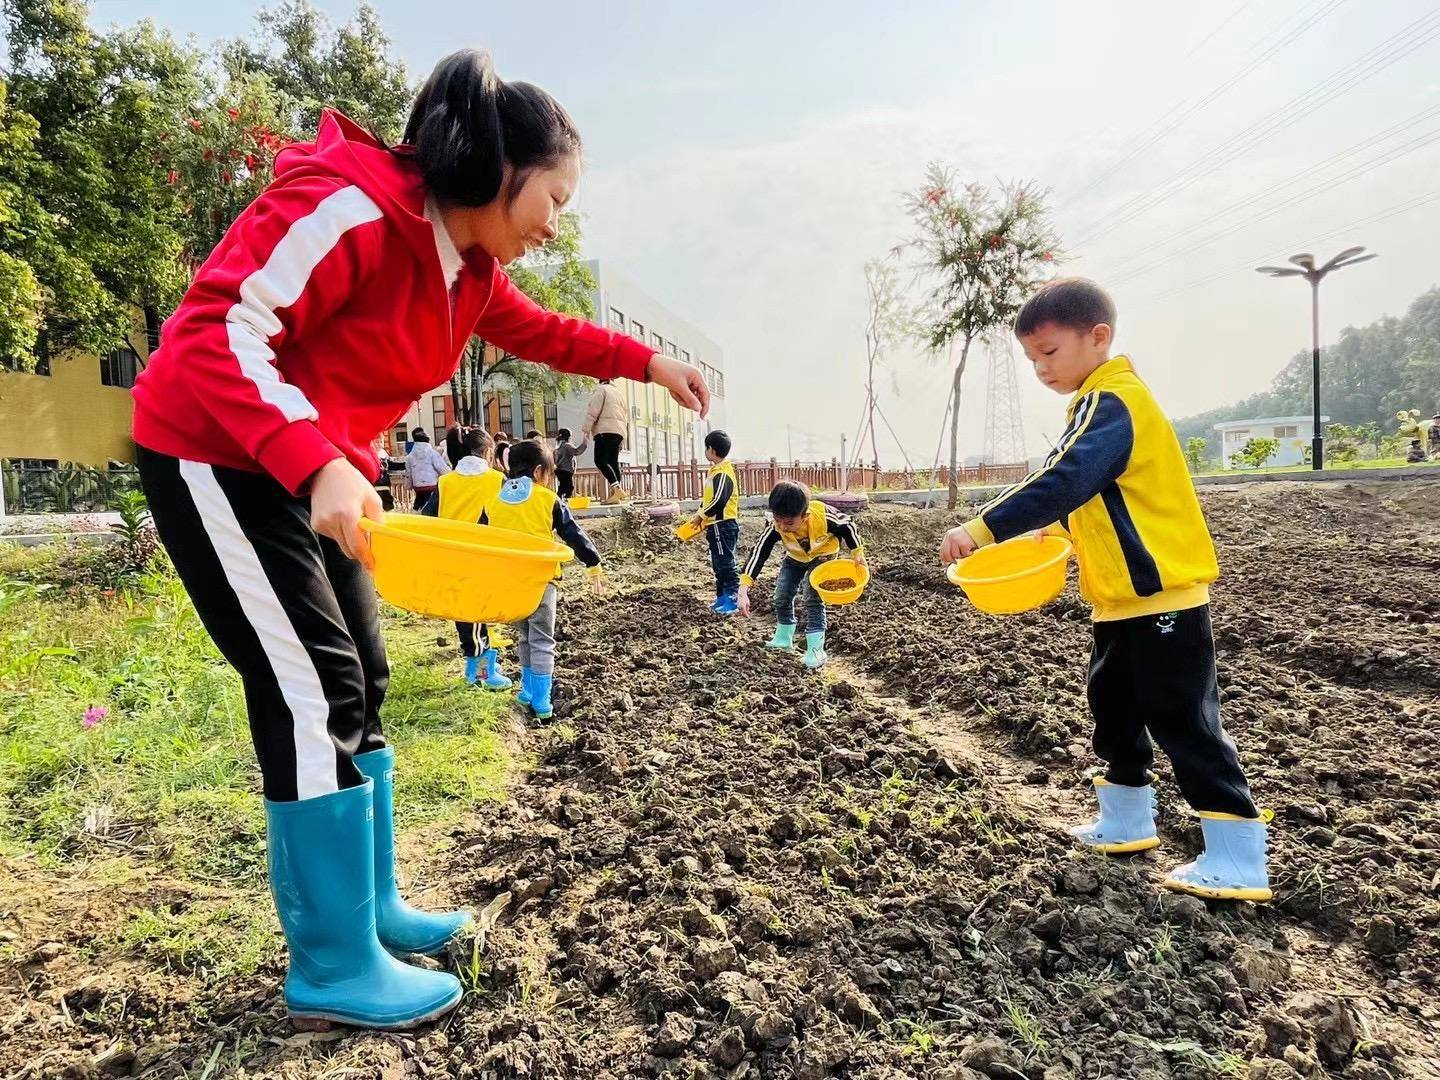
299	682
251	323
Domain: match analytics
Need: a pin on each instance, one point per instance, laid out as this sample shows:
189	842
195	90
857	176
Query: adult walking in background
606	421
255	417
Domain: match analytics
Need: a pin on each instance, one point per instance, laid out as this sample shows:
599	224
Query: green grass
212	940
1330	466
169	775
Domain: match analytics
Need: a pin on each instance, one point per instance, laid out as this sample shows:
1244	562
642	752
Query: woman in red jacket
343	293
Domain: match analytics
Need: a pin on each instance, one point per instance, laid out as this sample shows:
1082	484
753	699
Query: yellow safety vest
463	497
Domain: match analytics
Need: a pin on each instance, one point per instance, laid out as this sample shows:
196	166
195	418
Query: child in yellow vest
1118	485
719	516
526	504
810	533
463	494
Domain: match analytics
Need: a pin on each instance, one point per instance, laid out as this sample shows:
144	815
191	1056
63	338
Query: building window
637	332
505	413
398	438
552	413
657	342
442	415
42	359
118	367
685	357
617	320
719	384
670	349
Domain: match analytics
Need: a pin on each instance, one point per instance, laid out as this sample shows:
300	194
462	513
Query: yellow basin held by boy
1019	575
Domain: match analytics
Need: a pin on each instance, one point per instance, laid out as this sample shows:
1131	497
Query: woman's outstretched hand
339	497
685	383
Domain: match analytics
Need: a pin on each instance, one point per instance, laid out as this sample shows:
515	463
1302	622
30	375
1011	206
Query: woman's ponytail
467	124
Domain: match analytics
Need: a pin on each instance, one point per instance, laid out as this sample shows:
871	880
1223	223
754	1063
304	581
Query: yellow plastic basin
1018	575
459	571
840	568
687	530
579	502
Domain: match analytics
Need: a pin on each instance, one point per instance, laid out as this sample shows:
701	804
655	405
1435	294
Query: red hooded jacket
323	315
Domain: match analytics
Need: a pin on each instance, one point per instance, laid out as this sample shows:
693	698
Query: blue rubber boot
815	655
726	605
1126	822
540	686
472	669
401	928
1233	865
523	697
784	637
322	876
493	679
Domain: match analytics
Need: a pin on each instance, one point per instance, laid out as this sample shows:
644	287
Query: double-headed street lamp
1315	274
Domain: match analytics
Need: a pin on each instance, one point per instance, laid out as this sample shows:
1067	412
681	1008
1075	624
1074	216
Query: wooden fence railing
758	477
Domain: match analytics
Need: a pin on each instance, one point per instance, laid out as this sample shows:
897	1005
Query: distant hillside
1369	374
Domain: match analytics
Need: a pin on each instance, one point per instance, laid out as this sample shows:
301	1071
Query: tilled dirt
721	865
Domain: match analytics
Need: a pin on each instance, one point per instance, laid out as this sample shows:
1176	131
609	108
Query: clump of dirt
843	584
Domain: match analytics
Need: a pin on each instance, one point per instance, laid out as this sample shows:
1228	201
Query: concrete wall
66	415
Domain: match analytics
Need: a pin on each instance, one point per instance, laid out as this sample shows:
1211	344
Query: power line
1308	172
1382	56
1160	129
1355	173
1413	203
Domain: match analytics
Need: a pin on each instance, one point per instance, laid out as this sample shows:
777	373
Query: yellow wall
67	414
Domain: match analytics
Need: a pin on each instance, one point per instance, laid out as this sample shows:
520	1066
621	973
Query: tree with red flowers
980	253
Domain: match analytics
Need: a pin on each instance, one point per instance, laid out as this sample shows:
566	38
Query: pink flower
95	714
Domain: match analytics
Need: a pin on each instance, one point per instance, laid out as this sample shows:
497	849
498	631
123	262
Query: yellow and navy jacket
828	531
465	492
1117	484
722	495
528	507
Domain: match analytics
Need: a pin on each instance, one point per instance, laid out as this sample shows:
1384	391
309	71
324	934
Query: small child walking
565	458
524	503
719	516
1117	484
463	494
811	533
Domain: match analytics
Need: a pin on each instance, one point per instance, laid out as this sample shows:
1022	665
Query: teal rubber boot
1233	865
472	669
493	679
1126	822
322	876
400	927
523	697
784	637
540	687
815	655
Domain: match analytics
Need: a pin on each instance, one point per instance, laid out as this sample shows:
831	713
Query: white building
661	433
1293	433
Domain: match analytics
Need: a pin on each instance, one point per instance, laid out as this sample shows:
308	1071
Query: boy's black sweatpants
1154	677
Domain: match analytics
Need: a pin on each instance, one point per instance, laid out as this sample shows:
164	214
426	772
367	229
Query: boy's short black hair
563	434
533	434
719	442
524	456
789	498
1076	303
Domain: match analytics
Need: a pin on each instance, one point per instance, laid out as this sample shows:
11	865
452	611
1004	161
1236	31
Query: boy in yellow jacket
719	516
1117	485
463	493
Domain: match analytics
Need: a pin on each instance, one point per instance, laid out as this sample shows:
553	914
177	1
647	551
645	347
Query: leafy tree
1255	453
981	253
1195	453
84	205
888	322
310	66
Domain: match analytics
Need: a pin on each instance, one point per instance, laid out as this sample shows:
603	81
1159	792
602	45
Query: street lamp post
1314	275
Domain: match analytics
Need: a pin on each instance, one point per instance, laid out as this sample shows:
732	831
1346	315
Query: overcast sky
746	158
